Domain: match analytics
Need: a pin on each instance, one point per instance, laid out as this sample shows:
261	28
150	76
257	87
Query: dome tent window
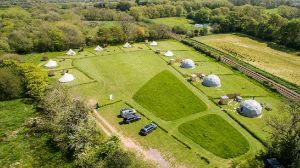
187	63
211	81
250	108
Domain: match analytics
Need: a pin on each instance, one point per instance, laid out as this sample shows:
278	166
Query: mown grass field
284	64
211	131
136	72
19	148
168	98
175	21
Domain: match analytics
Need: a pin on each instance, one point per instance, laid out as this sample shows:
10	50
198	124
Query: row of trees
21	80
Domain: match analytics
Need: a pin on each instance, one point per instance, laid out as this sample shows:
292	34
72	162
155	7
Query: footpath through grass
215	135
168	98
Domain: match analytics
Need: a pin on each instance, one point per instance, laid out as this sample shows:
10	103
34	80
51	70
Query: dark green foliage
216	135
34	79
168	98
10	84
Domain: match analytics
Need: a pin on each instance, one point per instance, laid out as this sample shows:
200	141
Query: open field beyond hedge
161	93
266	56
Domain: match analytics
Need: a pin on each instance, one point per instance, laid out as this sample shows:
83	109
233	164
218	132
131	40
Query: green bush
10	84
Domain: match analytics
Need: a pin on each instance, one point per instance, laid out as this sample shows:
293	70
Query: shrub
10	84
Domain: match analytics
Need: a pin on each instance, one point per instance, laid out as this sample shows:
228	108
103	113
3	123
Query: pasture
161	93
210	131
175	21
268	57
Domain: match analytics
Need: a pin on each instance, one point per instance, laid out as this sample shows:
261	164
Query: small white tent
153	43
211	81
71	53
168	54
187	63
66	78
51	64
250	108
127	45
98	48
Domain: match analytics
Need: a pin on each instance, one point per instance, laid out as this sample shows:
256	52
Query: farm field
161	93
284	64
175	21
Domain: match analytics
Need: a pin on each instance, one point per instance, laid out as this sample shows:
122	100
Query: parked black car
131	118
148	129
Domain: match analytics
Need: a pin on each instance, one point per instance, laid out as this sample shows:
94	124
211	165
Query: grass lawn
209	67
215	135
175	21
258	125
80	78
231	84
284	64
172	45
121	74
176	153
191	54
168	98
23	149
143	79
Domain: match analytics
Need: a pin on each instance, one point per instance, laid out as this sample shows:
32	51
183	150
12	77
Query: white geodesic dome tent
153	43
71	53
211	81
66	78
187	63
98	49
169	54
51	64
250	108
127	45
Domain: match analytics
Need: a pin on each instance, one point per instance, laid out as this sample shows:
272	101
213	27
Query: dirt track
151	155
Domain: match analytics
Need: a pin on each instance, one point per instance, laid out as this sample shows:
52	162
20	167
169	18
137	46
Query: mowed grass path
282	64
168	98
215	135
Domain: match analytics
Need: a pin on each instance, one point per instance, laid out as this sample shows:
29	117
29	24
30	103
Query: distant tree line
50	27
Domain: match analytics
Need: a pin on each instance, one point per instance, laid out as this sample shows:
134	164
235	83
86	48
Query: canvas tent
66	78
187	63
127	45
71	53
250	108
211	81
51	64
98	48
168	54
153	43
